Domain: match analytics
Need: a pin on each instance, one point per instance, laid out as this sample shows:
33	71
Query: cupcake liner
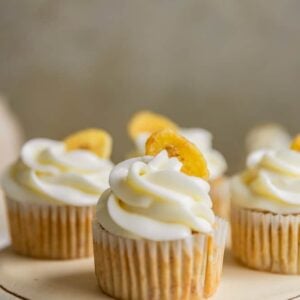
266	241
49	231
220	195
142	269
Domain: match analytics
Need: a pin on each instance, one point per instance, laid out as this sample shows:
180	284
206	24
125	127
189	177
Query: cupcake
51	193
155	233
266	211
144	123
267	136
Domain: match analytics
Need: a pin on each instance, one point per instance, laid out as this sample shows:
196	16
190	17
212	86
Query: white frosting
203	140
269	136
275	186
151	198
47	172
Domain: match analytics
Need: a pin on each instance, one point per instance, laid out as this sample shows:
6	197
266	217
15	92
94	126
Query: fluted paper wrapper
50	232
266	241
220	195
142	269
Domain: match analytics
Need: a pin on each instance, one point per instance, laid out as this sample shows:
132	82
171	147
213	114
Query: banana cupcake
51	192
155	233
144	123
266	211
267	136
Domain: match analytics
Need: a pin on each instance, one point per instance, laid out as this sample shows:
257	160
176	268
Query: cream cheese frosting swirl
271	183
203	140
150	198
47	173
268	136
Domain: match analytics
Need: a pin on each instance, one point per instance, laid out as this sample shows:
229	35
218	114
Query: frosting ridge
149	197
271	182
47	173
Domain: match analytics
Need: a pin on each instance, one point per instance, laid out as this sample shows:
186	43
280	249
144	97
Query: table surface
25	278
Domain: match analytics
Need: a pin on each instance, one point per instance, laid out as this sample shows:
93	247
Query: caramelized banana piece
295	145
146	121
95	140
193	161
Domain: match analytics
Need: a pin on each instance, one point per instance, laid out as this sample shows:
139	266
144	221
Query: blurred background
222	65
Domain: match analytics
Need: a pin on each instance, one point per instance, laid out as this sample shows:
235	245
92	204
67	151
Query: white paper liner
143	269
266	241
50	232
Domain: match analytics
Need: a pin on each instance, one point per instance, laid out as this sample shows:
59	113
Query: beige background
222	65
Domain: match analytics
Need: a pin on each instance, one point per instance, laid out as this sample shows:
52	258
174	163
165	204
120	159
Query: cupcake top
143	124
271	182
267	136
71	172
157	197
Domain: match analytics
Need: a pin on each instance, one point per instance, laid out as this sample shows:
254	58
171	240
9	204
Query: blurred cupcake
51	192
267	136
266	211
155	223
144	123
11	137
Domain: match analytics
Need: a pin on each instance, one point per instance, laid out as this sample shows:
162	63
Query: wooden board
60	280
